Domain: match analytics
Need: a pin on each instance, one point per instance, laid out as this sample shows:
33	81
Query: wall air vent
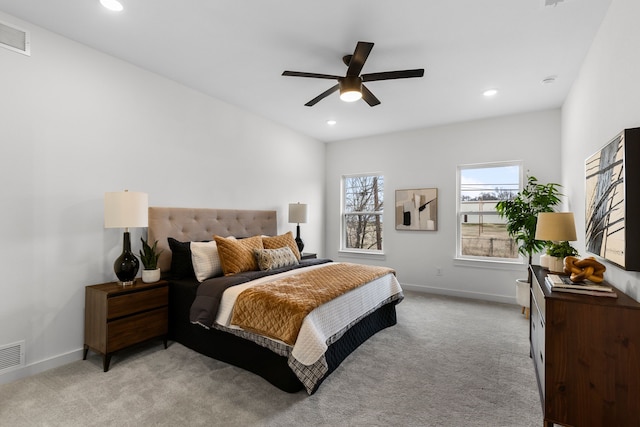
11	356
15	39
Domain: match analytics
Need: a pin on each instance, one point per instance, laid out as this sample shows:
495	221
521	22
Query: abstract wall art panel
612	213
417	209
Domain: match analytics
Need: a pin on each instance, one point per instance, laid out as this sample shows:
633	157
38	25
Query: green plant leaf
149	255
522	214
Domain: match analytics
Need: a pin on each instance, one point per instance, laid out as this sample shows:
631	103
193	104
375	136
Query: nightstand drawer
134	329
116	316
135	302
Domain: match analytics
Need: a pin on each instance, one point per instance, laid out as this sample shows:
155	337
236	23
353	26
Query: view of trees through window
363	209
482	233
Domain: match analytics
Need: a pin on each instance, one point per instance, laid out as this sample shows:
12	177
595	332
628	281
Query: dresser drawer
134	302
538	343
538	296
124	332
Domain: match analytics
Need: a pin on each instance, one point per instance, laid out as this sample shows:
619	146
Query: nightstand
116	317
307	255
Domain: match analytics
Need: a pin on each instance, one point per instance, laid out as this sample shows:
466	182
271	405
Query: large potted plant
521	214
149	256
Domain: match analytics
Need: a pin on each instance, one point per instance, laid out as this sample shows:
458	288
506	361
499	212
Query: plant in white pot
558	252
521	214
149	256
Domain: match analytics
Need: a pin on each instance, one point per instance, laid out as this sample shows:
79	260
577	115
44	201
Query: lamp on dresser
298	215
126	209
559	228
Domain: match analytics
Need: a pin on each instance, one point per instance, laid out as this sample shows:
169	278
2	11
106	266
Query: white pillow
205	260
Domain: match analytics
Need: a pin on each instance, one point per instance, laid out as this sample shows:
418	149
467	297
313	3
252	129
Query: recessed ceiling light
113	5
331	122
490	92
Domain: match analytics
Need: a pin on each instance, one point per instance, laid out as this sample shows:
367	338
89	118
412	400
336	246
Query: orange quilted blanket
278	308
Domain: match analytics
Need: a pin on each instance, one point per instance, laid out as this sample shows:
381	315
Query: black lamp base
127	265
299	241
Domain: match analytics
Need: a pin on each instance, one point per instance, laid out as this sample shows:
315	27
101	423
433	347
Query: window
363	202
482	234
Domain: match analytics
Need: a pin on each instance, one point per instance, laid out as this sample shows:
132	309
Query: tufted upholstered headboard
195	224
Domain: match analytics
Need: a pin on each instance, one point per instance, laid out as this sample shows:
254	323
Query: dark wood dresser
116	317
586	354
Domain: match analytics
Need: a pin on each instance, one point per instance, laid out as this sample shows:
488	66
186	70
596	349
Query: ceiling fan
350	86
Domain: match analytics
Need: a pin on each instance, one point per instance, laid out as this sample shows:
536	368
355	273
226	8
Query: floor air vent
11	356
15	39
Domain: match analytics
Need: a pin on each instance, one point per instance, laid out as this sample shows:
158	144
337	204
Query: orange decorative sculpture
584	269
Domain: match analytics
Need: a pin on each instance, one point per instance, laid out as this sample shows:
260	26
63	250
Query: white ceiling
236	50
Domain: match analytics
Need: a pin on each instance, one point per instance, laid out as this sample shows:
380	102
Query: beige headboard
187	224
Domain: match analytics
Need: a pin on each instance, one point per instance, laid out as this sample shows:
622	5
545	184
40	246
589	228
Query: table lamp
126	209
298	215
556	227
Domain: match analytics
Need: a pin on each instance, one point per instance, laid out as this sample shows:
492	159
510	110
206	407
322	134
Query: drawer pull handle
541	358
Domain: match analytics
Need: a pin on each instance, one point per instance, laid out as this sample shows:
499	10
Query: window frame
343	217
459	212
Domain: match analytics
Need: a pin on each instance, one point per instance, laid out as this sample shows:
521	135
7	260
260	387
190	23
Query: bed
197	305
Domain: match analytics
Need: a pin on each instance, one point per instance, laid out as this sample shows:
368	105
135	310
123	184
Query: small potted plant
557	252
149	257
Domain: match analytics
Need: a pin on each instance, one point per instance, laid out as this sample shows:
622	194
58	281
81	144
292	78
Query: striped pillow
205	259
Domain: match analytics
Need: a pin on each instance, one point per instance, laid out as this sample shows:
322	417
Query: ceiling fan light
350	96
351	89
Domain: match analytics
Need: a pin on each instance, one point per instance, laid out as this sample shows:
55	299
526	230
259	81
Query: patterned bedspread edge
309	375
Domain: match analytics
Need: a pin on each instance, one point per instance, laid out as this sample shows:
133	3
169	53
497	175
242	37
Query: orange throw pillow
236	255
281	241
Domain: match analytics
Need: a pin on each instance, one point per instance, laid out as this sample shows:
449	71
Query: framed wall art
612	216
417	209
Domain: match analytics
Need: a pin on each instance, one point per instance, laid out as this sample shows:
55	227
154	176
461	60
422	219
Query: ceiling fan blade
312	75
390	75
360	55
369	97
323	95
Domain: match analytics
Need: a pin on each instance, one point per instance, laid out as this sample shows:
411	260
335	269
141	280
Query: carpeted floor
448	362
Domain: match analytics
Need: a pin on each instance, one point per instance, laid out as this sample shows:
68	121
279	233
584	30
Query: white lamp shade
297	213
556	226
126	209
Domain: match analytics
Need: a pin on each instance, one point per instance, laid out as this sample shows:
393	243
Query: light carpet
448	362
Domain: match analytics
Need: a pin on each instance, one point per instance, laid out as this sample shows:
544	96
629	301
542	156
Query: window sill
490	264
361	254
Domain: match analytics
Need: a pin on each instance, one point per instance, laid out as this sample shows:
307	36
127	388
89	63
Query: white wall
428	158
603	101
75	123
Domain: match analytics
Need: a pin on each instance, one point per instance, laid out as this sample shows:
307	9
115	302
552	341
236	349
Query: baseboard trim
459	294
41	366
